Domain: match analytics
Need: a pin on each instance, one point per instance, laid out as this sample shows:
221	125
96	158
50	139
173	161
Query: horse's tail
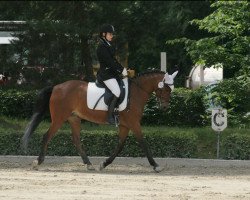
40	109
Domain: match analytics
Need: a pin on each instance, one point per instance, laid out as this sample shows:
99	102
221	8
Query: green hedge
17	103
193	107
97	143
186	108
237	146
102	144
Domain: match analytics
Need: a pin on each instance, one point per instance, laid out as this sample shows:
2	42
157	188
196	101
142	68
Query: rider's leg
112	84
111	119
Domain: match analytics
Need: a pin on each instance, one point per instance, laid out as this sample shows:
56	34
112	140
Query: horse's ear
166	77
174	74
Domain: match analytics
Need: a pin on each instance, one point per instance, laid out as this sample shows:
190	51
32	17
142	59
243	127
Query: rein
159	99
139	86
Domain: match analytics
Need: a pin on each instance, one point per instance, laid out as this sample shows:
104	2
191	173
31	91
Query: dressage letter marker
219	119
219	123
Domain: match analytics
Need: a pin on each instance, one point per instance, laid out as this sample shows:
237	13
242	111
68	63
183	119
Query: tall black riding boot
111	119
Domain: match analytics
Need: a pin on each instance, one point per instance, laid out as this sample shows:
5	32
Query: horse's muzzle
164	106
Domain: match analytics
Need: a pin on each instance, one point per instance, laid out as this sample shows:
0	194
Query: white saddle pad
94	93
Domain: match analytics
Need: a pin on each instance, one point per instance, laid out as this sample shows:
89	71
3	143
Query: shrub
193	107
185	109
15	103
232	95
237	146
97	143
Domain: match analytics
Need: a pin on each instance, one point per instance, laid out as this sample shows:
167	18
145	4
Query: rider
110	69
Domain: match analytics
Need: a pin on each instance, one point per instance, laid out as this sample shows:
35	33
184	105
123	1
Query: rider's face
109	36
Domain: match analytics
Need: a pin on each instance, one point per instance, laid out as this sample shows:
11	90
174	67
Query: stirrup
111	121
116	116
115	119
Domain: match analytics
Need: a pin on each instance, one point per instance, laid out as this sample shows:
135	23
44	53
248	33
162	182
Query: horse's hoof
101	166
34	165
158	169
90	167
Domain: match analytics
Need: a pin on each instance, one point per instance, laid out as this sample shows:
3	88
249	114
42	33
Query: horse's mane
149	72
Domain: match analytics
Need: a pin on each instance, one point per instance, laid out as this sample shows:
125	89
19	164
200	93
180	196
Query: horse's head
165	87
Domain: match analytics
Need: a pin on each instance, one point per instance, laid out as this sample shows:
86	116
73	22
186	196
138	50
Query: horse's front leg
123	133
146	149
143	144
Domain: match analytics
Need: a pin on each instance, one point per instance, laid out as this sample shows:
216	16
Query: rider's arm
109	61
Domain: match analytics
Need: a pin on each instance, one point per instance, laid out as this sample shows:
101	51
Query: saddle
108	94
99	96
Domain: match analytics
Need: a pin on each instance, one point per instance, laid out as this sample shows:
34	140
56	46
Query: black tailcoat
109	66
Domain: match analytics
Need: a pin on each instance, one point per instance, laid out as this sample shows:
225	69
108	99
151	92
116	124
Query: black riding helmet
107	28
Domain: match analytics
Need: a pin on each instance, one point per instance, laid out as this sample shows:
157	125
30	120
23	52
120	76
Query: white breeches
113	85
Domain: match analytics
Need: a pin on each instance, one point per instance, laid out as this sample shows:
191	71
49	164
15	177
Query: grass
207	138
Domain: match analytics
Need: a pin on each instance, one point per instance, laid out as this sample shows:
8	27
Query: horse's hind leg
75	123
123	133
46	139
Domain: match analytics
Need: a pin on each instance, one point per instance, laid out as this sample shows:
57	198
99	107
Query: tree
65	33
151	23
228	40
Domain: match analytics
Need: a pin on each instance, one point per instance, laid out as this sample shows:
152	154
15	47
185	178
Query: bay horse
67	102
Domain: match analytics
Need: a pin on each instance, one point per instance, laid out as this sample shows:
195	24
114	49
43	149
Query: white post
201	75
218	144
163	61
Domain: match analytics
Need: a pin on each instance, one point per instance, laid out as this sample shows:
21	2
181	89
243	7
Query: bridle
167	81
159	99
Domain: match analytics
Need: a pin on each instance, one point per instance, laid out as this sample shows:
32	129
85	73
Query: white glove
124	72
